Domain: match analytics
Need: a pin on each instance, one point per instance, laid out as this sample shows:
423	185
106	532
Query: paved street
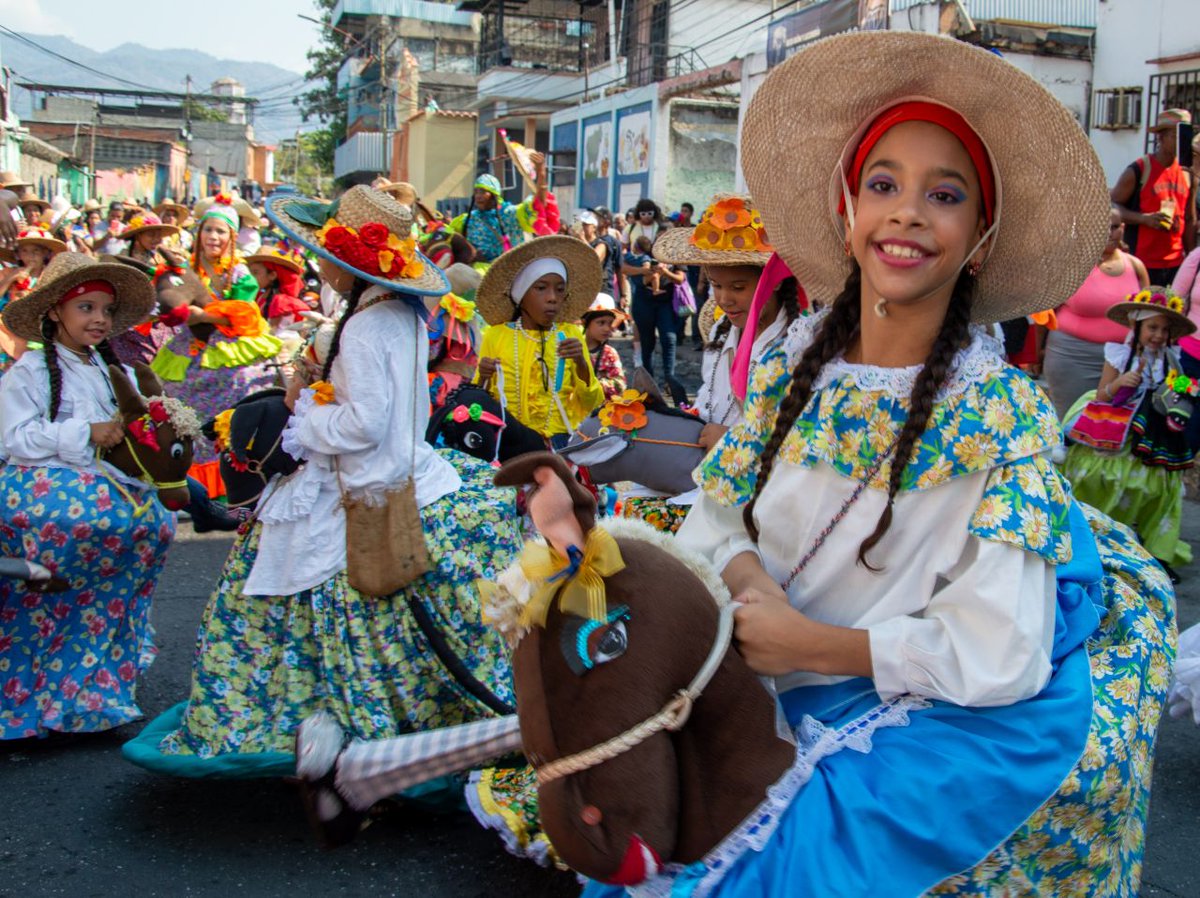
80	821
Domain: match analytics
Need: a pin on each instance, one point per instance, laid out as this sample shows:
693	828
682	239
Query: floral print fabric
1088	839
264	663
69	661
1000	424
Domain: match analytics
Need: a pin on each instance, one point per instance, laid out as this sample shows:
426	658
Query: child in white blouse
72	659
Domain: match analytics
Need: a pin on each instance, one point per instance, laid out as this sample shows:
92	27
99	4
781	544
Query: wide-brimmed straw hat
135	296
179	209
365	232
145	223
28	198
730	232
1160	300
277	255
710	314
37	235
10	180
1052	197
584	277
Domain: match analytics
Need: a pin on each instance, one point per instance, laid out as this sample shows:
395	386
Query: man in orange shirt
1157	201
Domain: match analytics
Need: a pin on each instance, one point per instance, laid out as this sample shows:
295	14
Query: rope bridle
672	717
146	478
255	466
636	439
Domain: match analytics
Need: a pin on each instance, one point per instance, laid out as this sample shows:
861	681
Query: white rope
672	717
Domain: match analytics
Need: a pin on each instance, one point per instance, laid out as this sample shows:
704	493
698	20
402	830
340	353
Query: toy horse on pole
159	430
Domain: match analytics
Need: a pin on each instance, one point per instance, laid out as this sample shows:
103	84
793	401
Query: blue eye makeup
950	193
588	643
875	182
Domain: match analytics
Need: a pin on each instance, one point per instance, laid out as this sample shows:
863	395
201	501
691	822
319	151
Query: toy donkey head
639	438
249	441
177	288
471	421
159	431
1175	400
615	627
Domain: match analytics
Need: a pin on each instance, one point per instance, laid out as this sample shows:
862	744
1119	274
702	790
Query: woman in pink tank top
1075	352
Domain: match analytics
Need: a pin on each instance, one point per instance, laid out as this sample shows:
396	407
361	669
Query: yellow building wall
441	156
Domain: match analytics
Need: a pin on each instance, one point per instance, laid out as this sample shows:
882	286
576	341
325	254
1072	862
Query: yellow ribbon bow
578	582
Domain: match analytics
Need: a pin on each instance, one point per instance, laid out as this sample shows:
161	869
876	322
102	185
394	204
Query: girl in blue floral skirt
69	660
285	635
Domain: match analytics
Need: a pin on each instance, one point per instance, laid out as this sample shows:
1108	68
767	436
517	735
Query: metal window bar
1117	109
1174	90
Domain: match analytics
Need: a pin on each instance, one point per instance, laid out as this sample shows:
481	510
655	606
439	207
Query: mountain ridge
156	69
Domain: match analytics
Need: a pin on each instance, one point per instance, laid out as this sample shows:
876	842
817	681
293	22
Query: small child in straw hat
533	358
599	321
1141	484
72	659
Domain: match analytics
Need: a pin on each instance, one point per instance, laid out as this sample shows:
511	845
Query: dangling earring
881	308
974	268
846	247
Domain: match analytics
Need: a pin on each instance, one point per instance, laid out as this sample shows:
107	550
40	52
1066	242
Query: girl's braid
835	334
950	339
356	292
49	331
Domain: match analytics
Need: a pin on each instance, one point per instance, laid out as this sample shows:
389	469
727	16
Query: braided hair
835	335
53	371
356	292
787	294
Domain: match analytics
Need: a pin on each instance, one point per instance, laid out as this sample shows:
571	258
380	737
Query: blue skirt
1043	796
69	661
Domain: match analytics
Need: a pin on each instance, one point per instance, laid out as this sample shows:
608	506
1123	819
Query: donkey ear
519	472
147	380
244	424
128	401
643	382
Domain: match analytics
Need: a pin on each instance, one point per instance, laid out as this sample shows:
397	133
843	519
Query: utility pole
92	149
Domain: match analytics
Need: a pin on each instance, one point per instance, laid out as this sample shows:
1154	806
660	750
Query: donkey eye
177	450
473	440
588	643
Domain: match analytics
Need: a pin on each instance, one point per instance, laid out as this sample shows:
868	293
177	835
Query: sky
247	30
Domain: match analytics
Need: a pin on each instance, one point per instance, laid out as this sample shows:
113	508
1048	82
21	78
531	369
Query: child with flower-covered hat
286	634
1136	474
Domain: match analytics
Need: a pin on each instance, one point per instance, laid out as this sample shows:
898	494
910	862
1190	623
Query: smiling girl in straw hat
286	635
910	567
71	659
533	358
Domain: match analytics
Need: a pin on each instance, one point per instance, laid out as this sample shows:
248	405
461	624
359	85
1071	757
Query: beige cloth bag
385	543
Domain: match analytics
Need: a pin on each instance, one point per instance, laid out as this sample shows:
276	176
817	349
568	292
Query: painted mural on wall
787	35
633	147
597	150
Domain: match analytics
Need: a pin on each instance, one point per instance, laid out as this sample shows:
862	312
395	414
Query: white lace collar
972	364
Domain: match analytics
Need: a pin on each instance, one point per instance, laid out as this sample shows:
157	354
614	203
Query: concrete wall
719	22
701	157
1128	34
441	156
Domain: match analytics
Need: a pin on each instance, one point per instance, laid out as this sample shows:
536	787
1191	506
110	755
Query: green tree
298	161
200	112
322	102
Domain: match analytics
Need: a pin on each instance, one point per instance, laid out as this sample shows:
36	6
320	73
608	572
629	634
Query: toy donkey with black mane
651	739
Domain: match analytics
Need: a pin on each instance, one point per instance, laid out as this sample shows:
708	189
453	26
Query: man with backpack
1156	197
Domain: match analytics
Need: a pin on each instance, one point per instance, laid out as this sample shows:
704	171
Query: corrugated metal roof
1067	13
424	10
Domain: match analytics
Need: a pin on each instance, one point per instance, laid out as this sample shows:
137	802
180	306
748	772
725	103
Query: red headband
89	287
943	117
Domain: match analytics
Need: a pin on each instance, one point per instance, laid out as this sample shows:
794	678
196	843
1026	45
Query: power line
23	39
